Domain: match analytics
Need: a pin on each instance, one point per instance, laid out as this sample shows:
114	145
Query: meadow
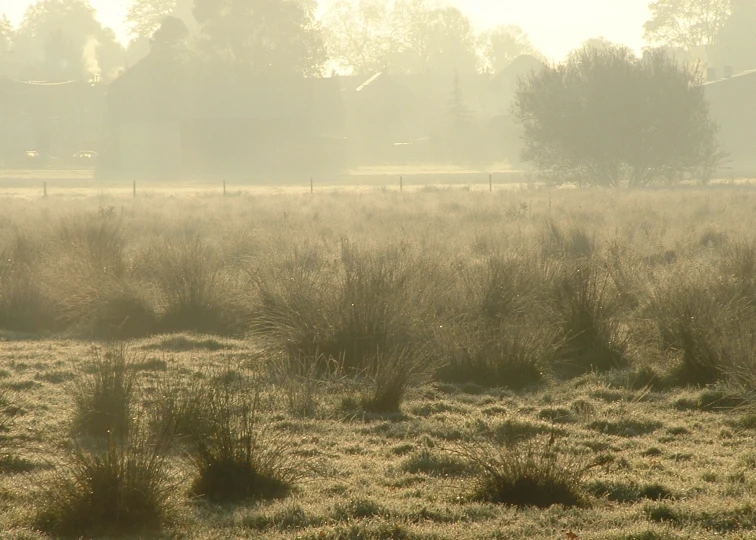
443	363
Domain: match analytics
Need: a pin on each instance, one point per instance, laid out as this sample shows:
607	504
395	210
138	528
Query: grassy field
442	363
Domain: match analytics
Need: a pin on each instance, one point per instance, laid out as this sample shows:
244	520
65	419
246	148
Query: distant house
733	107
433	118
49	120
172	120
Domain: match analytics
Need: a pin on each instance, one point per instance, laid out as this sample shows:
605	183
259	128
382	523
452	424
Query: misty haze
367	269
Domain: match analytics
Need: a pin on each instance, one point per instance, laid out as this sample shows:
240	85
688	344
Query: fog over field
377	270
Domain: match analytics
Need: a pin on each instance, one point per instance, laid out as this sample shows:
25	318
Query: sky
555	26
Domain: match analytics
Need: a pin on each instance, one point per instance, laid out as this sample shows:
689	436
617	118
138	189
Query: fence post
224	188
44	189
490	183
133	187
312	188
401	184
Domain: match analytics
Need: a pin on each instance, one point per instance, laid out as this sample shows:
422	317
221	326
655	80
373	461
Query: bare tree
690	24
502	45
359	35
412	36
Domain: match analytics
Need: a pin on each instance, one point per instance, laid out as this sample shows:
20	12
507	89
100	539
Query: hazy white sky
555	26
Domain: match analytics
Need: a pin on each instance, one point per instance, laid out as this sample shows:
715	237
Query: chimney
711	74
727	72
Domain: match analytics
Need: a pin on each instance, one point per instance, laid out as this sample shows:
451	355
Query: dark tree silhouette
273	36
605	117
62	39
145	17
503	44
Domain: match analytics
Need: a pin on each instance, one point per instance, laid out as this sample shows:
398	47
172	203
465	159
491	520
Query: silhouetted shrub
660	129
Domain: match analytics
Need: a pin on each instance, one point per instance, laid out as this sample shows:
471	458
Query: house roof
157	86
49	99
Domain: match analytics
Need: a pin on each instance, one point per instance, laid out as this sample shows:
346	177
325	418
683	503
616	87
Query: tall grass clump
234	453
575	243
502	335
588	308
96	305
514	356
99	239
390	374
24	306
370	300
104	395
700	320
188	275
91	282
116	488
505	287
531	473
301	381
739	266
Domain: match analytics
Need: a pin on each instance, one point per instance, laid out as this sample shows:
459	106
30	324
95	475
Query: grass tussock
104	395
532	473
23	304
193	290
233	454
350	310
705	322
588	308
507	355
389	377
121	488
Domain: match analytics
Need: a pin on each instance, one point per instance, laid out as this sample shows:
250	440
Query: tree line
63	40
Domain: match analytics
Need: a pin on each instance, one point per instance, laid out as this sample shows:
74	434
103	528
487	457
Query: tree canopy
502	45
145	17
272	36
690	24
359	35
606	117
6	43
412	36
62	40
